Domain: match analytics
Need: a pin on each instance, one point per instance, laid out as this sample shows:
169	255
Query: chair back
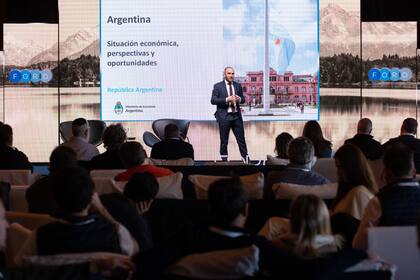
96	129
397	245
30	221
326	167
18	176
150	139
159	125
17	198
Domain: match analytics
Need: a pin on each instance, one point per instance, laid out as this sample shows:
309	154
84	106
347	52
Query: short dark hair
142	186
227	199
132	154
364	125
72	190
171	130
62	157
409	125
398	159
77	126
301	150
6	134
114	136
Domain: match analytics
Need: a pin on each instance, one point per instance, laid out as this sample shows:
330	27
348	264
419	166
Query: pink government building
284	89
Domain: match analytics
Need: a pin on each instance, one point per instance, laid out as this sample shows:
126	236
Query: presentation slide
161	58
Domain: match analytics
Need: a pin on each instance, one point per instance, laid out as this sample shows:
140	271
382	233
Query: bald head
364	126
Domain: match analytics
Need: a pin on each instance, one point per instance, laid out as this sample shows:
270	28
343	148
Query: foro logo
386	74
26	76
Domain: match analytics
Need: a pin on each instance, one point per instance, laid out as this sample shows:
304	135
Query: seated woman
307	233
356	183
282	144
312	130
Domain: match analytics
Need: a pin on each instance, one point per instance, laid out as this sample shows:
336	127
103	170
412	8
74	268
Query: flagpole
266	88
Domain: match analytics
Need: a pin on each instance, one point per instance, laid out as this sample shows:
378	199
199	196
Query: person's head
80	128
301	151
309	217
141	187
72	190
282	144
132	154
228	203
6	135
114	136
3	227
171	131
312	130
229	74
364	126
353	170
62	157
409	125
398	162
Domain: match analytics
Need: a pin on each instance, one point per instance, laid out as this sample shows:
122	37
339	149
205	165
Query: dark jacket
219	95
413	143
371	148
12	158
172	149
110	159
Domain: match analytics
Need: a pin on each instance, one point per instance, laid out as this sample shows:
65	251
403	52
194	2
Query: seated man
371	148
40	195
77	231
408	137
298	171
173	146
10	157
114	136
396	204
79	141
130	209
133	156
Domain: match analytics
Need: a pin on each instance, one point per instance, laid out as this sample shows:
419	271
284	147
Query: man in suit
173	146
227	95
371	148
408	137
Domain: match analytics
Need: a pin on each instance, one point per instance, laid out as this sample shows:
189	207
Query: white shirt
233	93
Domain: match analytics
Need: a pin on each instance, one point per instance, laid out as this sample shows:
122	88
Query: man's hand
237	98
231	98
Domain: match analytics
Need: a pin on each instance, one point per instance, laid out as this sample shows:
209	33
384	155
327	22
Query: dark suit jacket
371	148
172	149
12	158
219	95
413	143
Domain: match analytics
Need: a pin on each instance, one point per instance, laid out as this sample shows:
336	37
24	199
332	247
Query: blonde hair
309	217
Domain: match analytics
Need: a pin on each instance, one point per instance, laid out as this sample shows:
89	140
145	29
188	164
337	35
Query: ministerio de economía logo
118	108
27	76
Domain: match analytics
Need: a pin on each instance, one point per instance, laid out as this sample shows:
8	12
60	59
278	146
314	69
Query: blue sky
293	21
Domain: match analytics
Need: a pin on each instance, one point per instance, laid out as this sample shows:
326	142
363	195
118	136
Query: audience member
312	131
77	231
301	154
228	206
408	137
79	141
356	183
131	208
173	146
114	136
398	203
107	267
310	230
133	156
10	157
282	145
371	148
40	195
